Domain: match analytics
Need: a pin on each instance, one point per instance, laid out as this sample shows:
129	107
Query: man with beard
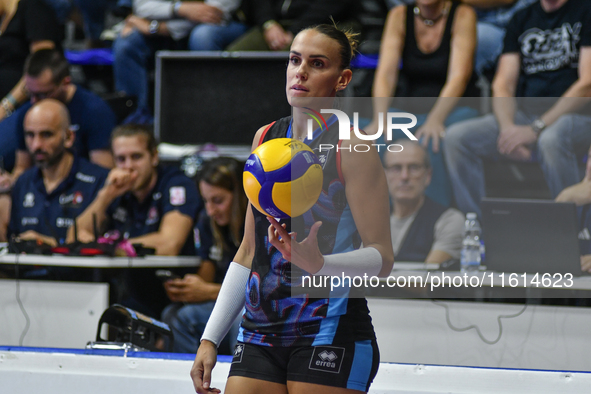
47	197
147	204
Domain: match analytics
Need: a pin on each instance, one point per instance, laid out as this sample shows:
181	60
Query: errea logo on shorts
238	352
327	359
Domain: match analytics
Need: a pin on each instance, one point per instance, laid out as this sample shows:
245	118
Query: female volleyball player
303	344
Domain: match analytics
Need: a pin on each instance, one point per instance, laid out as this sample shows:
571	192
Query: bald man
47	197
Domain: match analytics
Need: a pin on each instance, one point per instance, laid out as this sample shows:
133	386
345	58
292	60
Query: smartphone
165	275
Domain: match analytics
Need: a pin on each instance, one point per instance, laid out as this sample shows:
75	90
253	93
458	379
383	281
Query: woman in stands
307	344
435	41
220	231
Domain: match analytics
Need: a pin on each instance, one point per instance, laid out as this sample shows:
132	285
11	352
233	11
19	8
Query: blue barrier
95	57
105	57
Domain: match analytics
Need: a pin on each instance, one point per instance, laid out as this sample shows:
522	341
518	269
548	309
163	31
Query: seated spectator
219	235
277	22
164	24
546	53
422	230
26	26
47	198
148	204
435	41
493	17
47	75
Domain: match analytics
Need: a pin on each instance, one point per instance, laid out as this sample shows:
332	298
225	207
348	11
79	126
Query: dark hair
226	173
132	130
52	59
347	40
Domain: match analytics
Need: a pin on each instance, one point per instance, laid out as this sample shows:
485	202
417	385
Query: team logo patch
29	200
74	198
197	237
85	178
64	222
177	195
238	352
120	214
78	198
215	253
29	221
152	216
327	359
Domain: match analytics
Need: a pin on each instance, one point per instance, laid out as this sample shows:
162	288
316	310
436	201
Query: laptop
532	236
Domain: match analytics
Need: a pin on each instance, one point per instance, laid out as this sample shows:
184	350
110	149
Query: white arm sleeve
230	302
356	262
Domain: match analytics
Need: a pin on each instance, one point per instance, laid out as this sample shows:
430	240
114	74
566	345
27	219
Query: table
101	261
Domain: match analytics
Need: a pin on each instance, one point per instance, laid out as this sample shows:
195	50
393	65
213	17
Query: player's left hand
305	254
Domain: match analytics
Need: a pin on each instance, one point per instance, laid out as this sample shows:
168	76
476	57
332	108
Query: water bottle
471	257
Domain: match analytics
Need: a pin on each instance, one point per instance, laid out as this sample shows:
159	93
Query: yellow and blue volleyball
283	178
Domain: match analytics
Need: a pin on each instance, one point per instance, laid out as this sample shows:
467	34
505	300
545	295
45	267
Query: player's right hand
201	371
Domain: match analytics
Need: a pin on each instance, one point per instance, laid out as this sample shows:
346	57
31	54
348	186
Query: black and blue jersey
273	317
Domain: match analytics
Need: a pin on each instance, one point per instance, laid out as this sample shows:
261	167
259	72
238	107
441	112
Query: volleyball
283	178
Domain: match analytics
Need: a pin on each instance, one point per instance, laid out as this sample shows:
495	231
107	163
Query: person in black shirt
547	53
435	42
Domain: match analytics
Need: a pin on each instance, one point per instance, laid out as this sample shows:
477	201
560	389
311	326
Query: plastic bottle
471	257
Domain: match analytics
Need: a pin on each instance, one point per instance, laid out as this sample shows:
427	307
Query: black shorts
352	365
